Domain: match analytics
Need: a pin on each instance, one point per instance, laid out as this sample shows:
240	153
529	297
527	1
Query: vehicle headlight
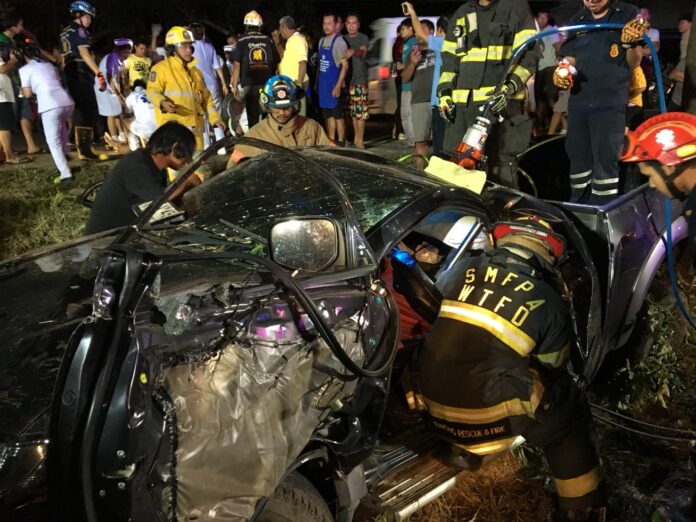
22	472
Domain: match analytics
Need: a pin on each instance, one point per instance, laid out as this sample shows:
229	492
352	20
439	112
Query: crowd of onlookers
332	72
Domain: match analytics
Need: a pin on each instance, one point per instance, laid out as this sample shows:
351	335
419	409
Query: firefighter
475	56
665	148
281	98
177	90
603	61
492	368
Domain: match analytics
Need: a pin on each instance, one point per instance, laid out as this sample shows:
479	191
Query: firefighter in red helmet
493	365
664	147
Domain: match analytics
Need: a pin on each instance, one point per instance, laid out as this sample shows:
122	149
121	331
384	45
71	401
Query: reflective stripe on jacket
474	63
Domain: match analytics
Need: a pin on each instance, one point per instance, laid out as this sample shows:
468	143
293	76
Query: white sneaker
401	136
122	138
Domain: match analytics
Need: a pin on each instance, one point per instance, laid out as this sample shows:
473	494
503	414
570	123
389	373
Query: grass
501	492
35	213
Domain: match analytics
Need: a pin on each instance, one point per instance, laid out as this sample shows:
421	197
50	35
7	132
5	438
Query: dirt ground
649	478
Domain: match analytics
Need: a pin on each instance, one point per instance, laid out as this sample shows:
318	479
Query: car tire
295	499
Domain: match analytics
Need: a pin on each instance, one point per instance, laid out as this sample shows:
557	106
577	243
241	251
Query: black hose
315	316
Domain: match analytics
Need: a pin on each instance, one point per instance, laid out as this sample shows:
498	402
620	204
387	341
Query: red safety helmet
669	139
531	227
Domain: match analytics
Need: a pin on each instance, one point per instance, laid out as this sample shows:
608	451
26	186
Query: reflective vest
475	56
182	84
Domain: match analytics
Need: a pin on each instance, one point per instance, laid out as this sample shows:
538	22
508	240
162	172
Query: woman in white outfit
108	101
41	79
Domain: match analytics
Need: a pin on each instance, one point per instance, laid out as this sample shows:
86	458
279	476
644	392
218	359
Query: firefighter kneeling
493	364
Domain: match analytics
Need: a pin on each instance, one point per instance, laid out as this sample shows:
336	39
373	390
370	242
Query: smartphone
404	8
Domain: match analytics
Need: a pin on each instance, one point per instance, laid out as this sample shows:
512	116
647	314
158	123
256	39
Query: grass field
35	213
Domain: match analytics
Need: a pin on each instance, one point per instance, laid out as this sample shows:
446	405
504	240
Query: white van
380	72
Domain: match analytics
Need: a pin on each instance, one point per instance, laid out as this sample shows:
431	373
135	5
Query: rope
643	423
639	432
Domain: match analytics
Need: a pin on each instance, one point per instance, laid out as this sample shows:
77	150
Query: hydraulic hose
517	53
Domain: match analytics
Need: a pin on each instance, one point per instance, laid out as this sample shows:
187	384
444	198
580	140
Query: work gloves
102	82
446	106
498	98
564	74
632	33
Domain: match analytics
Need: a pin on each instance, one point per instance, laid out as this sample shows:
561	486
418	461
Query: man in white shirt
143	124
210	64
55	105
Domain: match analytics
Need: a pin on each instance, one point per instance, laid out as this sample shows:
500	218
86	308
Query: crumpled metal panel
244	416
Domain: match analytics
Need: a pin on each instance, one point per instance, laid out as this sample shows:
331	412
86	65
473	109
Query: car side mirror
309	244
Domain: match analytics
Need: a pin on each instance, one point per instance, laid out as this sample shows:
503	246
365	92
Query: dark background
132	18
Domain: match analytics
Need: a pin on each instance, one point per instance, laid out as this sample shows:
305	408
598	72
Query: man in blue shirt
433	43
598	99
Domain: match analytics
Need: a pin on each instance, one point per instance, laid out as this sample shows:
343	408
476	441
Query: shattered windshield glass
375	186
244	202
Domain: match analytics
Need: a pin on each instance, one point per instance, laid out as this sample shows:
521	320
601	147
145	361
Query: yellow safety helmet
178	35
253	19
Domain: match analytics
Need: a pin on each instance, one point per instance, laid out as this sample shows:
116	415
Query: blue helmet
280	92
83	7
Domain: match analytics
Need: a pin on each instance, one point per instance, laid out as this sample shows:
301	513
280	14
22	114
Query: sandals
18	160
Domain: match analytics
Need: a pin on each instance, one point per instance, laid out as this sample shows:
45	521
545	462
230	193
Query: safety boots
83	138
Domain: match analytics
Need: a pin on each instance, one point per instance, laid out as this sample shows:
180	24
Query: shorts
24	111
562	103
336	112
544	89
358	101
7	117
422	115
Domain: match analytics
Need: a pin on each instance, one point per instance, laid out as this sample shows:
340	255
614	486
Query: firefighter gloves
446	106
564	74
499	97
632	33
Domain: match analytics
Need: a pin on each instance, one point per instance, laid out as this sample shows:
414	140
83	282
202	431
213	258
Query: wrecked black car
234	358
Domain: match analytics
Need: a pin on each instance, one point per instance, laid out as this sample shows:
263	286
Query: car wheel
293	500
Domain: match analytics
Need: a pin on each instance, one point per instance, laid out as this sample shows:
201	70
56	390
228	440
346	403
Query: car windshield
243	203
236	209
376	186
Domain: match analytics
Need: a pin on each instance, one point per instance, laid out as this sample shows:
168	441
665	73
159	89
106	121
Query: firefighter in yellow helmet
493	365
177	90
